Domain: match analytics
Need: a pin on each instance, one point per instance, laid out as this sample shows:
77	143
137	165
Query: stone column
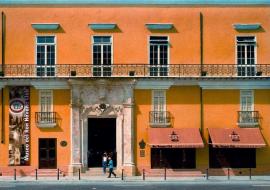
75	162
128	132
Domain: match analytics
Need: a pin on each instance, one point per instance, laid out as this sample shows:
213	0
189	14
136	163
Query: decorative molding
135	2
50	85
154	85
245	85
3	84
97	111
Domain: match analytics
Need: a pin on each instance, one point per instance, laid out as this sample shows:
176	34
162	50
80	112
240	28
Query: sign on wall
19	125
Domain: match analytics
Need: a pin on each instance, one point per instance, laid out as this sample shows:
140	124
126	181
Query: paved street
118	185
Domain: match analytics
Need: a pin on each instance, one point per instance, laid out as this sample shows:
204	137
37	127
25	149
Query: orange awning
236	138
175	138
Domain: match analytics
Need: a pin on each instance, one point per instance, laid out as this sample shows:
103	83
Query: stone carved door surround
102	98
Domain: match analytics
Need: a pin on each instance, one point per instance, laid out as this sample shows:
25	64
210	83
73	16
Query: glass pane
45	39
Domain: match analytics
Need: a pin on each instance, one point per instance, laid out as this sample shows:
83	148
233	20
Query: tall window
159	55
247	99
159	106
247	114
45	50
246	59
102	55
46	101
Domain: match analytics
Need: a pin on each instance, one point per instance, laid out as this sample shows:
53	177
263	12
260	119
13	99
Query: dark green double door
47	153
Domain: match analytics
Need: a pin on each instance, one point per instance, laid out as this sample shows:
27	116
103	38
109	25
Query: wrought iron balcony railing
45	119
159	118
135	70
248	118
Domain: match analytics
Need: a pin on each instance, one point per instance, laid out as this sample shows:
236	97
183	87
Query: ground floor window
232	157
176	158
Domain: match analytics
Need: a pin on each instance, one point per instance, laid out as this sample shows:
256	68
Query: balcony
45	119
248	119
159	118
134	70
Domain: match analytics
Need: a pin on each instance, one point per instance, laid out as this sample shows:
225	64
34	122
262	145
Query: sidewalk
138	179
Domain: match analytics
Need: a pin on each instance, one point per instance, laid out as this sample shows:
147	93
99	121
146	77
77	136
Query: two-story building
177	84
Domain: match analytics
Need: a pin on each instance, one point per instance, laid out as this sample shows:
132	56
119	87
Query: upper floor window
102	55
246	55
45	55
159	47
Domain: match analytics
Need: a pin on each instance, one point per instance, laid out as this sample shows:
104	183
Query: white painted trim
51	96
165	99
255	49
148	44
252	99
55	44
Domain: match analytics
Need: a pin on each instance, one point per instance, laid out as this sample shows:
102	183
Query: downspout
3	19
201	64
201	42
2	117
2	74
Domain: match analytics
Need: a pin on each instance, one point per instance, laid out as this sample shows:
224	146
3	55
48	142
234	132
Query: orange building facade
177	85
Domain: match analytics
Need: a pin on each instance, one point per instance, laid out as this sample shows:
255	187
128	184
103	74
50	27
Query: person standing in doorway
104	162
111	167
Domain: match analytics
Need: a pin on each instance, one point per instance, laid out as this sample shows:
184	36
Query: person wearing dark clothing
111	167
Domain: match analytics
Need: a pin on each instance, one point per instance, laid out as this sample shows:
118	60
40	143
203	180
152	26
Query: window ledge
250	124
46	125
160	124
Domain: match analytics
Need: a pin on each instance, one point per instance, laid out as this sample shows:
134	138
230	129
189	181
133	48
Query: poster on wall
19	126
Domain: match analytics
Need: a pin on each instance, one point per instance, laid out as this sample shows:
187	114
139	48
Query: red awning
175	138
236	138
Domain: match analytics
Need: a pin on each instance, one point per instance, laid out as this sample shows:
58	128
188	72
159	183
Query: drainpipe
202	112
3	21
2	90
201	42
2	117
201	62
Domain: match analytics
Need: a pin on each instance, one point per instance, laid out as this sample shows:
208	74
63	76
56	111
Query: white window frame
243	93
50	92
168	67
153	99
55	44
112	53
255	51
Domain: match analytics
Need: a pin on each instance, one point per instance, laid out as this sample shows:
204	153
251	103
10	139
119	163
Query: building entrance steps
47	173
173	173
98	171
